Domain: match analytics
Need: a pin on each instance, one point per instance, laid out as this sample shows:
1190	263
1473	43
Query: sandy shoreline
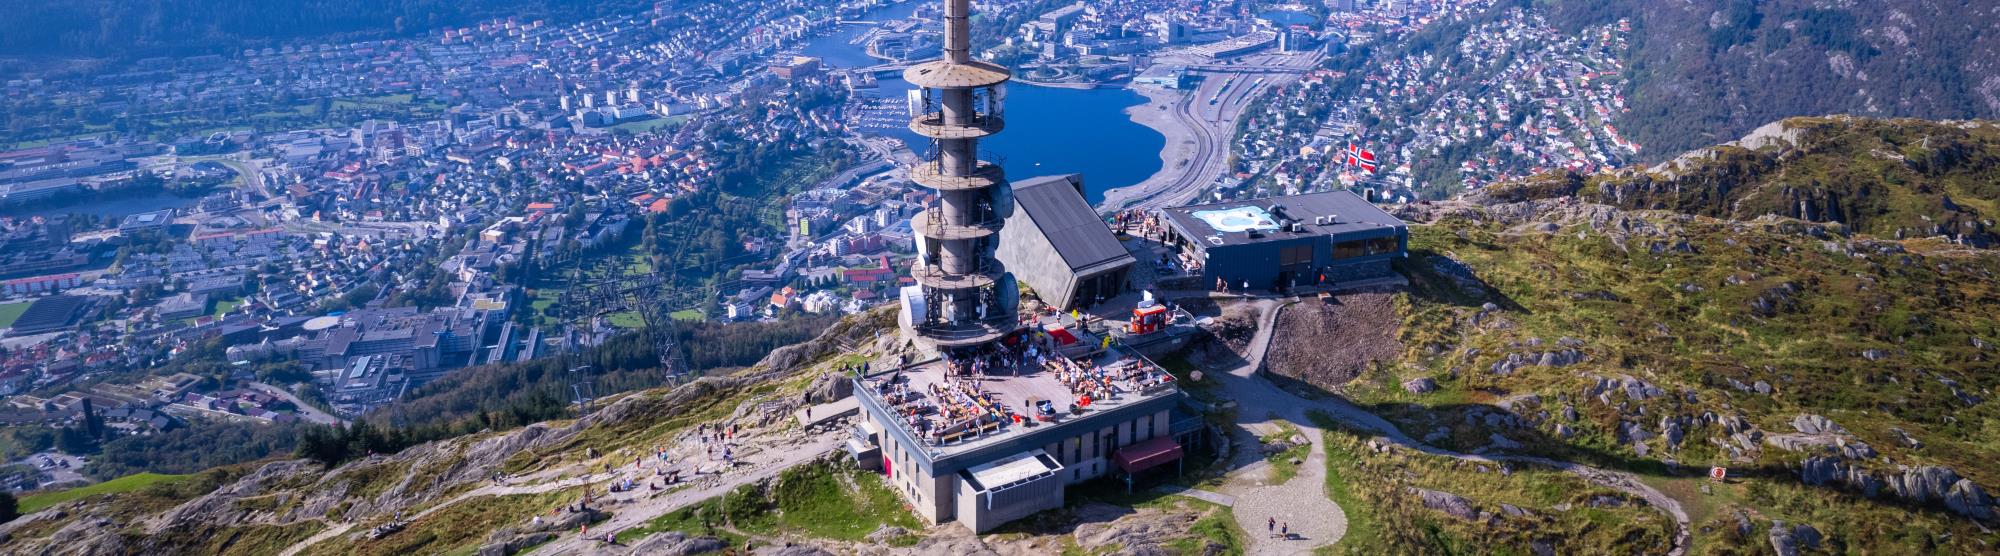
1175	156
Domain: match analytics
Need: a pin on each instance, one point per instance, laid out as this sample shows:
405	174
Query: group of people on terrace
1139	222
960	405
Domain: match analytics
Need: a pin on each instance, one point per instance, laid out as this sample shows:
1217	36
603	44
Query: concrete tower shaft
967	299
958	31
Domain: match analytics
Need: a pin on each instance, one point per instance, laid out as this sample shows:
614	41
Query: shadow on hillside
1428	284
1535	441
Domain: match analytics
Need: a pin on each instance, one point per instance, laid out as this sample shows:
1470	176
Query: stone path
1198	494
317	538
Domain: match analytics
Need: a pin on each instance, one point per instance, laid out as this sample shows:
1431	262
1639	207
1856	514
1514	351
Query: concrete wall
1025	252
931	497
982	512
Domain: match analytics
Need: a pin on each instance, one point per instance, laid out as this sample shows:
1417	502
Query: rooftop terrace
952	409
1258	220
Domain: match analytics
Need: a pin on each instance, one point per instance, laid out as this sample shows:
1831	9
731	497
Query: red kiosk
1147	320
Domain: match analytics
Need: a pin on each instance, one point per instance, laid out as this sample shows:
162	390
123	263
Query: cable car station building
1281	242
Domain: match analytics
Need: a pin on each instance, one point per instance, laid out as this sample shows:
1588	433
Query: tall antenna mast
968	299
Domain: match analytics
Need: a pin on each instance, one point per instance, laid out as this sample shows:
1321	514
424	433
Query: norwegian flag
1360	157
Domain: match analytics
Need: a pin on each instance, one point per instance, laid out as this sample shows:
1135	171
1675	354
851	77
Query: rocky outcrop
829	387
1146	531
1451	504
1420	385
1799	442
1814	424
792	550
1552	358
940	540
1635	389
1922	485
514	544
1824	470
887	533
674	543
1788	540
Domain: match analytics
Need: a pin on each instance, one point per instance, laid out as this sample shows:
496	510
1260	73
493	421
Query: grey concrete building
1059	245
954	450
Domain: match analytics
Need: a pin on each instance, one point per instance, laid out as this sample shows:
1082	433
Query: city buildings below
370	356
1164	76
1280	242
1057	244
146	221
1237	46
40	284
183	305
53	313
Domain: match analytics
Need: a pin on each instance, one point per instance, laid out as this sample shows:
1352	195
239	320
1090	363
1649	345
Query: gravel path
1300	505
1303	499
631	509
642	509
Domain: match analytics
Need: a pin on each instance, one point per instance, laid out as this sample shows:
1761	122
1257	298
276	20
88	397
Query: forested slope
1708	71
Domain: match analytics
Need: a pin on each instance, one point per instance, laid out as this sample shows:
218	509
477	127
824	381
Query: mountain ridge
1889	178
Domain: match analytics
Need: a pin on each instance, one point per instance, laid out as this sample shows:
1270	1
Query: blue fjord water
1049	130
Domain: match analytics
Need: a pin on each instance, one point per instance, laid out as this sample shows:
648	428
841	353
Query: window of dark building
1381	245
1295	255
1348	250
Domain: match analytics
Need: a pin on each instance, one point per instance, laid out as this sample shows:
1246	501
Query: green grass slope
37	502
1709	326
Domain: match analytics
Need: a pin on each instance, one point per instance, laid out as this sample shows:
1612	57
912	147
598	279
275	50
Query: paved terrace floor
1010	391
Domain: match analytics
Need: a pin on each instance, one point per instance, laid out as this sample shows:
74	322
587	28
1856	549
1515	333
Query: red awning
1062	336
1147	454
